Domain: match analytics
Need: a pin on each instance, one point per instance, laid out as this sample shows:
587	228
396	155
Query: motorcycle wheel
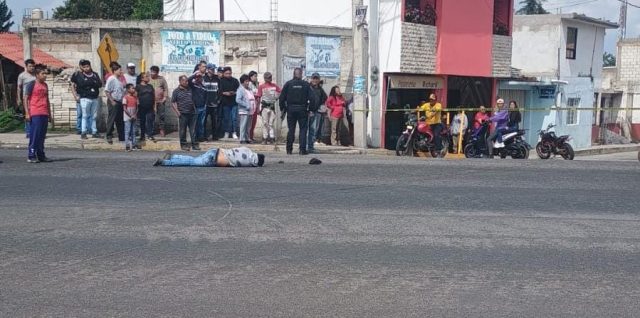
471	152
401	149
543	150
568	153
523	152
443	152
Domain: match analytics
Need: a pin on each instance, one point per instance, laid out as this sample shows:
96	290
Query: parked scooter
418	136
551	144
512	144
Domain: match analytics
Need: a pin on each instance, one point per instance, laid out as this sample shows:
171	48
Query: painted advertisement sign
183	49
323	56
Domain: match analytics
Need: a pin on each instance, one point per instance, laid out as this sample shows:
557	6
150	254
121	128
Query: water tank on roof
37	14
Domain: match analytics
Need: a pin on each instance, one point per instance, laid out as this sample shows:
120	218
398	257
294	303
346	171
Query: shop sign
416	82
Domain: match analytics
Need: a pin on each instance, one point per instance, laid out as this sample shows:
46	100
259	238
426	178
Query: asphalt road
100	234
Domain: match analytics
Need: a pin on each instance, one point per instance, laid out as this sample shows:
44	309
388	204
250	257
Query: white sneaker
235	136
498	145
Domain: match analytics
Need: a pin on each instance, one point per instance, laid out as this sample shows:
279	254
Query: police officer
297	100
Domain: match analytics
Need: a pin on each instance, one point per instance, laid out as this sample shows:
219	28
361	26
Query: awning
415	82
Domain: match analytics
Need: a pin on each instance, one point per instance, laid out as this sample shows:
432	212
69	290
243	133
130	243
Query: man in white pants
267	95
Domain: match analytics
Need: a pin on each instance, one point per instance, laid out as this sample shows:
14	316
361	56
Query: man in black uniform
297	100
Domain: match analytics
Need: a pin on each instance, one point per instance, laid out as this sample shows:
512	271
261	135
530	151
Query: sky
337	12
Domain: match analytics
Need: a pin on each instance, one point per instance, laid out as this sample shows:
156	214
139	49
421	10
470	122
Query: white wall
389	36
536	40
589	51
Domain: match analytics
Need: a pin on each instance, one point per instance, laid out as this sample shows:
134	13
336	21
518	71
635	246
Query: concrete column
374	121
359	100
147	56
274	54
598	108
96	64
27	49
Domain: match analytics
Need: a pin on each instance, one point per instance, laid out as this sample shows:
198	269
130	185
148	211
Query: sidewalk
63	140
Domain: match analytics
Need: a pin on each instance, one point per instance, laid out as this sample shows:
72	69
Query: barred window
572	112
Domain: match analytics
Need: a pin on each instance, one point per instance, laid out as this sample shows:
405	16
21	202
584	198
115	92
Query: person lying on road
215	157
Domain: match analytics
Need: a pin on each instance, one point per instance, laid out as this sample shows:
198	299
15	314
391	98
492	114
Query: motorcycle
551	144
418	136
512	144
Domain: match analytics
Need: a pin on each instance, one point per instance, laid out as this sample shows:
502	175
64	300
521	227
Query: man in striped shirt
184	107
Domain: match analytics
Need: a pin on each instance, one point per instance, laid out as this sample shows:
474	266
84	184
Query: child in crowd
130	107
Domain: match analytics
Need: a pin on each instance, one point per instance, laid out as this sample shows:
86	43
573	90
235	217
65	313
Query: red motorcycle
418	136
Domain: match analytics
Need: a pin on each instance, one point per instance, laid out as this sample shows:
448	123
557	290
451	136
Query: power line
239	7
337	16
630	4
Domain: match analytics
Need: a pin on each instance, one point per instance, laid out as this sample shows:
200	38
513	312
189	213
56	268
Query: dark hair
182	77
202	62
155	69
228	68
514	102
333	91
85	63
129	86
260	160
29	62
244	78
114	66
253	73
39	68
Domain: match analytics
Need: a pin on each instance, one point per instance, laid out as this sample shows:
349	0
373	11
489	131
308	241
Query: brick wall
629	61
68	46
63	105
418	49
501	56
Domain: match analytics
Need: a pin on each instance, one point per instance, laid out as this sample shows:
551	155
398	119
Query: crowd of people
210	105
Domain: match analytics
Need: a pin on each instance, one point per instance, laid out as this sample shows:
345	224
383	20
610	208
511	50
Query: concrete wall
389	42
67	45
536	40
628	60
501	55
418	48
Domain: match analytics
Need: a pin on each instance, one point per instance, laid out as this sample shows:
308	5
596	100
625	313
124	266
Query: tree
95	9
148	10
5	17
608	59
532	7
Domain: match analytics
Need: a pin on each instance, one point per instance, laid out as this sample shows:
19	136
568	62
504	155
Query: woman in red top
336	104
37	111
480	117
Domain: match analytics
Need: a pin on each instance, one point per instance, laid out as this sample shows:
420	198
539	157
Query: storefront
406	92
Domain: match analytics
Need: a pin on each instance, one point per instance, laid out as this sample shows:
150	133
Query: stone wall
628	61
418	53
501	56
67	45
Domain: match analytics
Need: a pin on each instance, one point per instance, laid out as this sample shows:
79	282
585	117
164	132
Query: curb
609	150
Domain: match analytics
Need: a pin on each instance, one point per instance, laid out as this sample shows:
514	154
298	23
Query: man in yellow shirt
433	114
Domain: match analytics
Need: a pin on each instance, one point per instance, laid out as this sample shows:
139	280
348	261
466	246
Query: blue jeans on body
245	126
89	111
78	118
38	133
129	133
230	114
202	119
314	125
207	159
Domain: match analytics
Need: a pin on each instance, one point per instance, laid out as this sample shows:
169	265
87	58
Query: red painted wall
465	37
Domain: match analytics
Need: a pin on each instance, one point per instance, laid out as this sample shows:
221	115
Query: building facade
564	53
455	49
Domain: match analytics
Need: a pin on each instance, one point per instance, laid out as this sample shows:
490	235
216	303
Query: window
420	11
572	41
572	112
501	17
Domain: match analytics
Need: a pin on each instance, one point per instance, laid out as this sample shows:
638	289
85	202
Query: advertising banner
323	56
183	49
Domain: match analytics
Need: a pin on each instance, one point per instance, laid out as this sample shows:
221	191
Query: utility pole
359	78
221	10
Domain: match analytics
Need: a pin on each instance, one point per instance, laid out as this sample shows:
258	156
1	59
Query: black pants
146	118
300	117
115	117
188	121
436	129
213	113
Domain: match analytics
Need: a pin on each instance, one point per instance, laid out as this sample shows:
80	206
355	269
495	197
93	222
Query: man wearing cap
500	119
200	100
130	76
268	94
211	83
433	114
297	100
314	116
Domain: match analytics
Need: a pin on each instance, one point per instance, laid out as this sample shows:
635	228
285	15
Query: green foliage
5	17
608	59
96	9
147	10
532	7
8	122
